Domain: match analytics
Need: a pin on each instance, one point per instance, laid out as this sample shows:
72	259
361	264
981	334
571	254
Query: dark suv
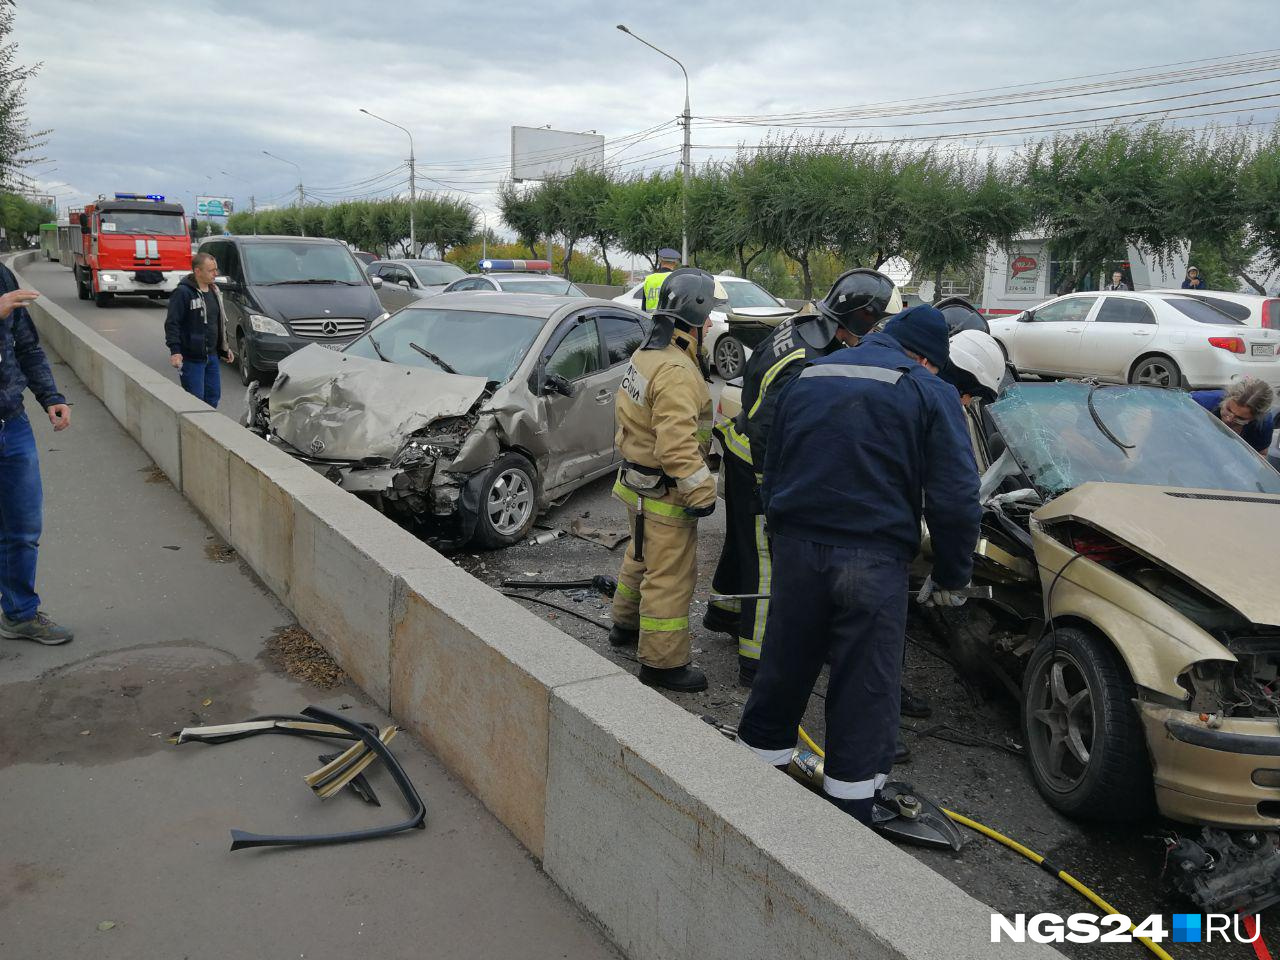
282	293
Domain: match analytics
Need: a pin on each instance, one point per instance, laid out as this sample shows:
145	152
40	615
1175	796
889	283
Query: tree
17	141
1100	191
444	222
1261	190
521	212
644	212
718	222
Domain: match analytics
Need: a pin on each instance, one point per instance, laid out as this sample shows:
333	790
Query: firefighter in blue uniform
864	441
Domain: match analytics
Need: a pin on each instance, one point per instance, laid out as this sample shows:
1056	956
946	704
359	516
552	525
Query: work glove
706	511
934	596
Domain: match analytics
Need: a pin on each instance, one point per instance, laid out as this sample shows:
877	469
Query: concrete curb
677	842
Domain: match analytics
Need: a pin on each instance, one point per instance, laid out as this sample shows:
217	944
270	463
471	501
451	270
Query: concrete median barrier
680	844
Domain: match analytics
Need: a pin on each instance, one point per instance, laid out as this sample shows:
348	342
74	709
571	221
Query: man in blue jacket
23	366
195	331
865	441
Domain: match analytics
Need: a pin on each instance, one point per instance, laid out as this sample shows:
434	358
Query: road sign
214	206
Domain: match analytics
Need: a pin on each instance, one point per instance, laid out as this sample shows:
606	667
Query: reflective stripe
704	431
627	592
775	758
660	507
660	625
769	376
693	480
739	444
882	374
853	789
729	606
765	560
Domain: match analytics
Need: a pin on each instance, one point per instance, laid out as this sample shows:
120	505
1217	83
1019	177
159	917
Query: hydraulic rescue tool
970	593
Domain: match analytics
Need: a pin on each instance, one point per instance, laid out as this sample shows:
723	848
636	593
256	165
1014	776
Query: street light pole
484	237
686	151
413	195
302	199
253	205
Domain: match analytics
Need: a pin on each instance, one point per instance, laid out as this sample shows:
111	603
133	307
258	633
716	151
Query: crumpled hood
1224	541
308	301
341	407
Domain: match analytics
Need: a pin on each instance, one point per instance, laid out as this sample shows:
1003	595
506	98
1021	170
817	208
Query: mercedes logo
329	328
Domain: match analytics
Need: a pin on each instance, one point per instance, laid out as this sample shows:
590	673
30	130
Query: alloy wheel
729	357
510	502
1155	373
1061	712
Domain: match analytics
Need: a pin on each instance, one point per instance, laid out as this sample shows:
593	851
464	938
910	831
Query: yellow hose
1030	854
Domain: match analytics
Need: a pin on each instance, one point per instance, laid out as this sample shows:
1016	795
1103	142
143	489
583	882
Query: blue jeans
851	606
203	378
21	515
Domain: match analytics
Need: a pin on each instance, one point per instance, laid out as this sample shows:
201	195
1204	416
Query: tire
508	502
1079	692
730	357
244	364
82	290
103	299
1156	370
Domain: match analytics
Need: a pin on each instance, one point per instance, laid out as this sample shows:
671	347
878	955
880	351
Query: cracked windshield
1066	434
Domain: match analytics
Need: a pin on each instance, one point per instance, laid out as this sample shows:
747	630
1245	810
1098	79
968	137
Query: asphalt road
114	843
983	776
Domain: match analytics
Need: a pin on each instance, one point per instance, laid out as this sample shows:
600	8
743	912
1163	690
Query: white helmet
978	364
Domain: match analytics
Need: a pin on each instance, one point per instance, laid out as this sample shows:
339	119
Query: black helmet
854	291
961	315
686	299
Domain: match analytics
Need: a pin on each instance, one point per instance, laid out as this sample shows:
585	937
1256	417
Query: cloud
162	97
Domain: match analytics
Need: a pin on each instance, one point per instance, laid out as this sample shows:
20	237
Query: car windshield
744	293
1172	440
136	221
437	274
551	287
1200	311
475	344
299	262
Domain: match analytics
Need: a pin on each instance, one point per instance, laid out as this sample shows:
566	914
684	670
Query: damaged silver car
461	416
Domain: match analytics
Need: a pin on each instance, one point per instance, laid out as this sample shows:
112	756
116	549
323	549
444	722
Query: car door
1048	338
393	295
230	282
579	427
622	335
1121	328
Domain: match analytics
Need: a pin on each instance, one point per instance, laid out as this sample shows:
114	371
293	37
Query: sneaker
680	679
40	629
914	706
621	636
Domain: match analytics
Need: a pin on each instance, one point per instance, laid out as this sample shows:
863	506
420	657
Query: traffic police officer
862	440
857	301
664	428
668	260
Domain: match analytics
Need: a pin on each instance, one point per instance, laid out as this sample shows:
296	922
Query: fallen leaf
85	733
106	925
205	702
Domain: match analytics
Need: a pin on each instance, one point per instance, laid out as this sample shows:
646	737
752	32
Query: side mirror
84	223
222	281
1026	316
405	284
554	383
195	226
376	281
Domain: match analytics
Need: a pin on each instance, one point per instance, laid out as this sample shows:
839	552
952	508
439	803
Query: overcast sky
160	97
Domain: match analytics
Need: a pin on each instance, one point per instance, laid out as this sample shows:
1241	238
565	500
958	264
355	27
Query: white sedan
1162	339
748	302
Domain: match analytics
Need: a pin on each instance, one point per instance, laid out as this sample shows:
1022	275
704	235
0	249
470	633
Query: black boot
901	752
912	706
687	679
621	636
719	620
747	671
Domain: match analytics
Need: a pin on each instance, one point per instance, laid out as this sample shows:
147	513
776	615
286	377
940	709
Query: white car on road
748	302
1162	339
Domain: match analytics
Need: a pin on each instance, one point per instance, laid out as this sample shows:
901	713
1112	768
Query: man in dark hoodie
23	366
195	331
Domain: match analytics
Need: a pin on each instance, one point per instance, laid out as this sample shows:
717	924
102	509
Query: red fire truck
133	244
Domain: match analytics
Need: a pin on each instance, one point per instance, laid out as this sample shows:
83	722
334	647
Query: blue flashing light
157	197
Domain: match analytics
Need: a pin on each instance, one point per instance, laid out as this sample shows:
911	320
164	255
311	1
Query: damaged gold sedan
1128	539
461	416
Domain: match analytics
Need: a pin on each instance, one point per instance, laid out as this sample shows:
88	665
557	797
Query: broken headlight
440	441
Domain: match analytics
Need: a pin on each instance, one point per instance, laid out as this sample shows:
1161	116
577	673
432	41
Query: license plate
1263	350
339	346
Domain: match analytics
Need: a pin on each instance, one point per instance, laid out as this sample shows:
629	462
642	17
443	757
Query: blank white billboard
541	154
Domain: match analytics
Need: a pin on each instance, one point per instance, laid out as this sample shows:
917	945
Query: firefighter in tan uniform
664	428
